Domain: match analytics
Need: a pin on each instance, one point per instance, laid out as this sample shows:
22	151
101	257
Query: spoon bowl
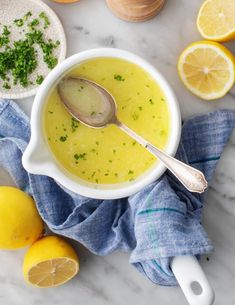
87	102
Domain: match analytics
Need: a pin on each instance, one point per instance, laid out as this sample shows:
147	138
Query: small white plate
15	9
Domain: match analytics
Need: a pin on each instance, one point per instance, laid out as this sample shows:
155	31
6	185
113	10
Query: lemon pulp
207	69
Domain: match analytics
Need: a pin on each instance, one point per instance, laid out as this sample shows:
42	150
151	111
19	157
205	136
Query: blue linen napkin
156	224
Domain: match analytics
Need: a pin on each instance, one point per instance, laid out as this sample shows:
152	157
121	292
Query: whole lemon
20	223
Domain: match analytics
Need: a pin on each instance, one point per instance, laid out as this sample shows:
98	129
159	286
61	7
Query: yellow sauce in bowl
107	155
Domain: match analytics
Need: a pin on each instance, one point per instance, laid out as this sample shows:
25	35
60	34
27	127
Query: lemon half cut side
50	261
216	20
207	69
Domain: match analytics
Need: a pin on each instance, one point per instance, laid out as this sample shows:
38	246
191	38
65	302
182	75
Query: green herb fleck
33	23
140	108
39	79
130	172
151	101
119	78
74	124
93	174
110	161
19	22
43	16
63	138
115	174
4	38
97	143
50	111
135	116
114	151
96	180
134	143
27	15
80	156
6	86
93	113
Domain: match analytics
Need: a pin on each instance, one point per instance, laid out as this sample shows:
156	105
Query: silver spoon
94	106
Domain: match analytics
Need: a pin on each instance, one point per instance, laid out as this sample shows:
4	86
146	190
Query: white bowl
38	158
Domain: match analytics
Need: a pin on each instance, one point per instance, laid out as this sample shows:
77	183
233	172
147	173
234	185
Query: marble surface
111	280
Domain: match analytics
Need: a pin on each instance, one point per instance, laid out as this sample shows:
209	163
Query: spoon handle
191	178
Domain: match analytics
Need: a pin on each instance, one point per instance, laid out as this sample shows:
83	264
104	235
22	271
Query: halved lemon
216	20
50	262
207	69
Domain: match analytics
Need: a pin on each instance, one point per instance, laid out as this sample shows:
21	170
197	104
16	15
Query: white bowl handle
188	272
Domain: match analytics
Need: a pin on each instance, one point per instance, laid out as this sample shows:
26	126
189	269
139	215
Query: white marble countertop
111	280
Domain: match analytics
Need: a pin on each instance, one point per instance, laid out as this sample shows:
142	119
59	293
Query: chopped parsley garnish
19	22
130	172
43	16
134	143
6	86
63	138
135	116
140	108
80	156
4	38
74	124
151	101
93	113
20	57
39	79
97	143
119	78
110	161
93	174
27	15
33	23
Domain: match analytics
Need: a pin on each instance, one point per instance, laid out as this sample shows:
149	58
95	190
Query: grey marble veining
111	280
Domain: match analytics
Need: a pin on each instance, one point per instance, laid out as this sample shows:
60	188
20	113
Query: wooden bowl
135	10
65	1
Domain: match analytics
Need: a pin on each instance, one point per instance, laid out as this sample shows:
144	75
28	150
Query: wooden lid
135	10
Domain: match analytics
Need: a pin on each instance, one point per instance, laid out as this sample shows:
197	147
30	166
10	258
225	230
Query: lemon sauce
107	155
